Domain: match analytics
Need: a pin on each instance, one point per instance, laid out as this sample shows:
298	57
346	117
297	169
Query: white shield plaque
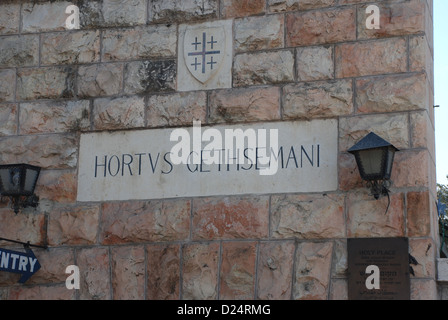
204	51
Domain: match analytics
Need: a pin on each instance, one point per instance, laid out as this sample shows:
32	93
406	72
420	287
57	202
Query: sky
441	88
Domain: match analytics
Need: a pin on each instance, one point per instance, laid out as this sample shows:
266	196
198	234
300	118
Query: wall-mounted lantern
374	157
17	181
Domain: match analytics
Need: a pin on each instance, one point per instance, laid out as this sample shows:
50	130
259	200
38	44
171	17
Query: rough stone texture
118	113
176	109
367	217
47	151
263	68
258	104
46	83
307	217
71	48
163	272
323	26
393	128
313	264
45	117
418	225
317	99
371	58
150	76
128	273
315	63
124	12
238	270
100	79
275	270
10	18
93	266
45	16
167	11
140	42
268	33
7	85
396	19
241	8
15	227
19	51
78	225
8	119
200	271
142	221
389	94
230	218
58	186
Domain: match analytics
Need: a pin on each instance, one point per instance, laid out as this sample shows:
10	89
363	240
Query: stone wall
291	60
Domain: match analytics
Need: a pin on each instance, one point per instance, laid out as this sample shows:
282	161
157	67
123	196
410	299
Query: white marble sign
205	56
275	157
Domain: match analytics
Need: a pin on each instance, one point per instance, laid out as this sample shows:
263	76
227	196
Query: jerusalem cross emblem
204	51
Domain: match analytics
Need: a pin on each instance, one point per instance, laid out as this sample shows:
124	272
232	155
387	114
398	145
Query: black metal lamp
374	157
17	181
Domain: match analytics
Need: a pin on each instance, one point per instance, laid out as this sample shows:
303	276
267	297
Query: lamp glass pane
5	176
390	160
30	180
371	161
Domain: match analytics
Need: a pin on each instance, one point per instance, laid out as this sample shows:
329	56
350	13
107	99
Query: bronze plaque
378	269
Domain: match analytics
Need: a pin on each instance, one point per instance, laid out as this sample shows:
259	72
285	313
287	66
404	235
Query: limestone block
231	218
57	292
73	225
10	18
371	58
283	5
53	263
57	151
93	263
307	217
163	268
128	272
8	119
320	27
312	274
46	117
71	48
100	79
392	93
275	270
19	51
200	271
242	8
124	12
176	109
442	269
263	68
167	11
396	19
46	83
118	113
44	16
248	104
7	84
258	33
15	226
418	224
139	42
315	63
318	99
424	251
140	221
57	185
238	270
150	76
367	217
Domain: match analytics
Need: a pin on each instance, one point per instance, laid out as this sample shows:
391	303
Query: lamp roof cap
371	141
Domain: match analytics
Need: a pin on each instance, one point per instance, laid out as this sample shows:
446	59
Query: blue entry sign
24	263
